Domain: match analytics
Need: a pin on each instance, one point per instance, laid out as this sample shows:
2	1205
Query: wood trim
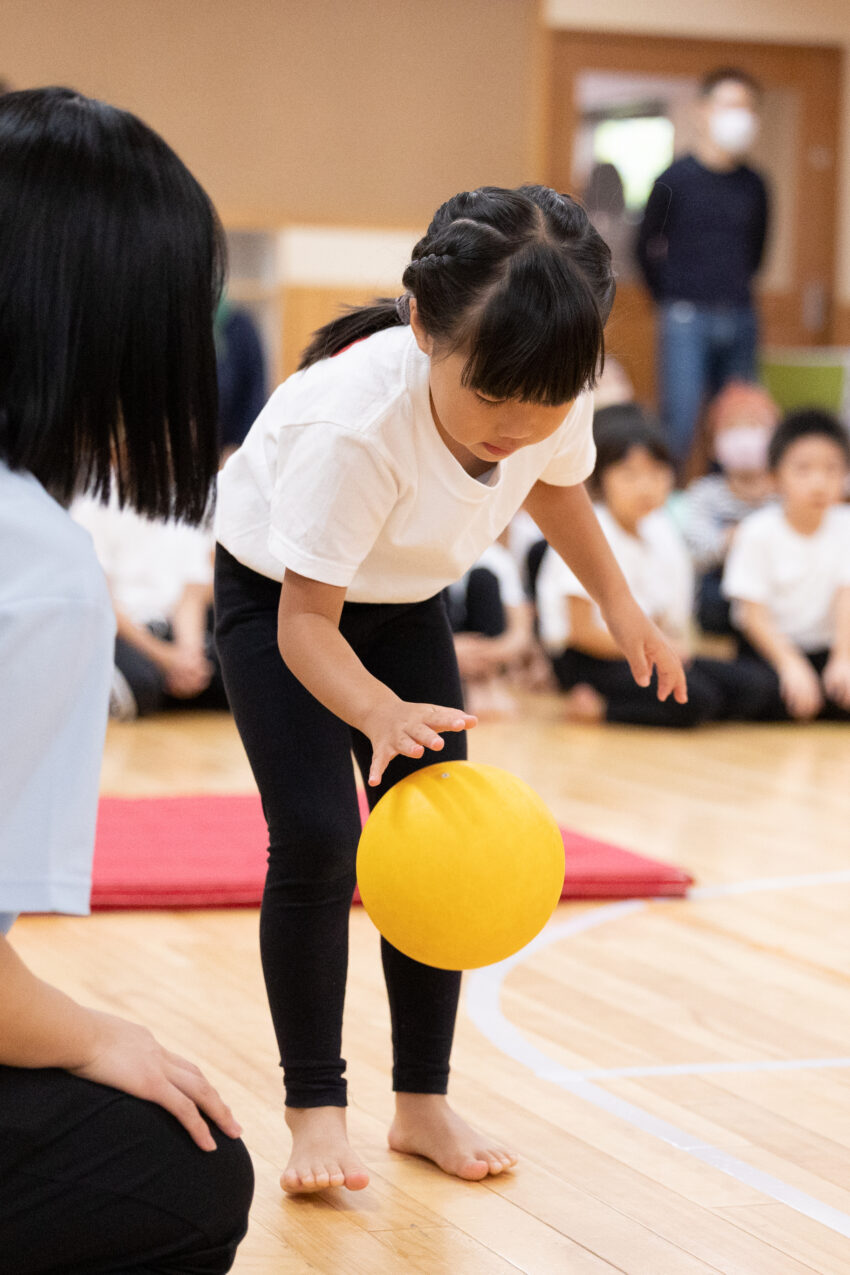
541	95
815	71
841	323
306	308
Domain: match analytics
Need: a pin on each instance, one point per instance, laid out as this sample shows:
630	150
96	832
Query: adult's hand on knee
129	1057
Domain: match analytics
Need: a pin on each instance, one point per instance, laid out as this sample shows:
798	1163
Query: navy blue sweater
703	234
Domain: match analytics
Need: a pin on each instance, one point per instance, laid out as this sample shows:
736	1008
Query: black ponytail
519	280
355	323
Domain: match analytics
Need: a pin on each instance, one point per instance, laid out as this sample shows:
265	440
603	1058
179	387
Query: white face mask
734	129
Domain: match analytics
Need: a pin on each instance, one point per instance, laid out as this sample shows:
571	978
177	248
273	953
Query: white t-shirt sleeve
333	494
573	462
747	577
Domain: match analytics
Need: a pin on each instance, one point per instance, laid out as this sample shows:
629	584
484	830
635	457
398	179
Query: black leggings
95	1182
300	754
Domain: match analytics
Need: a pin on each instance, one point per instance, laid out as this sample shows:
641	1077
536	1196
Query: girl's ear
423	340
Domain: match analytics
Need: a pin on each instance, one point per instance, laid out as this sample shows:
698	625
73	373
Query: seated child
631	482
788	575
160	578
741	421
493	623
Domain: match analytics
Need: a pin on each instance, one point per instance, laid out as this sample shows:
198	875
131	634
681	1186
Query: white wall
781	21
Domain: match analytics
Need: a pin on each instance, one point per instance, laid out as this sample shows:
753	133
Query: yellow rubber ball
460	865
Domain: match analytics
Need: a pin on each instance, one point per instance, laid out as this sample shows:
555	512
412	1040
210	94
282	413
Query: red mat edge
675	884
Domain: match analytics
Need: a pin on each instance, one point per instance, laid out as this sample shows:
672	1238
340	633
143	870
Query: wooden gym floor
675	1075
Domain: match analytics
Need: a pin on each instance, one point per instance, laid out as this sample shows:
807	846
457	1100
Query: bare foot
321	1155
584	704
426	1125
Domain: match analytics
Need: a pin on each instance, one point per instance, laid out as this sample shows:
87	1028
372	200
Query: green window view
639	148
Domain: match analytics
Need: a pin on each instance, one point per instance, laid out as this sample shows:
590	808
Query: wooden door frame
564	53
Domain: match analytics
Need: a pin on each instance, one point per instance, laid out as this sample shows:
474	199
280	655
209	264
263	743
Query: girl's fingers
427	737
451	719
666	679
671	676
376	770
641	668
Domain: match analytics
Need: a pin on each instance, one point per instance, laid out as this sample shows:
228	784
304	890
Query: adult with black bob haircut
111	258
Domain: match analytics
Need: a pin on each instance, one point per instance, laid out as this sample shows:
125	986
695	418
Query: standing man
700	244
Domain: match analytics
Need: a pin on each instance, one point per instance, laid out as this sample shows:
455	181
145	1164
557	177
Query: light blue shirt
57	631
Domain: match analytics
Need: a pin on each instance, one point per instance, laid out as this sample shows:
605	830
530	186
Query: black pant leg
748	689
414	655
485	611
712	608
633	705
300	754
143	677
95	1182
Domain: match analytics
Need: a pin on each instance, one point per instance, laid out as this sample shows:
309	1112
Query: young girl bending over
631	482
371	481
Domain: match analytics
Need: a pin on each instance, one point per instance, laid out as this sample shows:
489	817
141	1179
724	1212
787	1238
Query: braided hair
517	280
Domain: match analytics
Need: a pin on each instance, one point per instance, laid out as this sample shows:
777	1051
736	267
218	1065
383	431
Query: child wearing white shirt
631	482
375	477
160	578
788	575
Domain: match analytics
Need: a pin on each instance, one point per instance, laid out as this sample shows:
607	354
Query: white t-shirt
655	563
344	478
57	631
148	562
796	577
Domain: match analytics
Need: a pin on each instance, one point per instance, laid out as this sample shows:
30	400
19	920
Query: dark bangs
539	335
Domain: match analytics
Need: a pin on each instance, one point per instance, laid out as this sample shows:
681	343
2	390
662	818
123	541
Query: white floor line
483	996
729	888
717	1068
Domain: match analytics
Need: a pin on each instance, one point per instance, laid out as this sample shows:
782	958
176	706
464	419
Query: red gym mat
209	852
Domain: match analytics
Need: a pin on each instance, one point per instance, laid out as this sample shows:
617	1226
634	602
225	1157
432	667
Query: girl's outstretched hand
397	728
646	648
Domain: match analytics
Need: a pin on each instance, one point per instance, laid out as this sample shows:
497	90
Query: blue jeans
700	349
